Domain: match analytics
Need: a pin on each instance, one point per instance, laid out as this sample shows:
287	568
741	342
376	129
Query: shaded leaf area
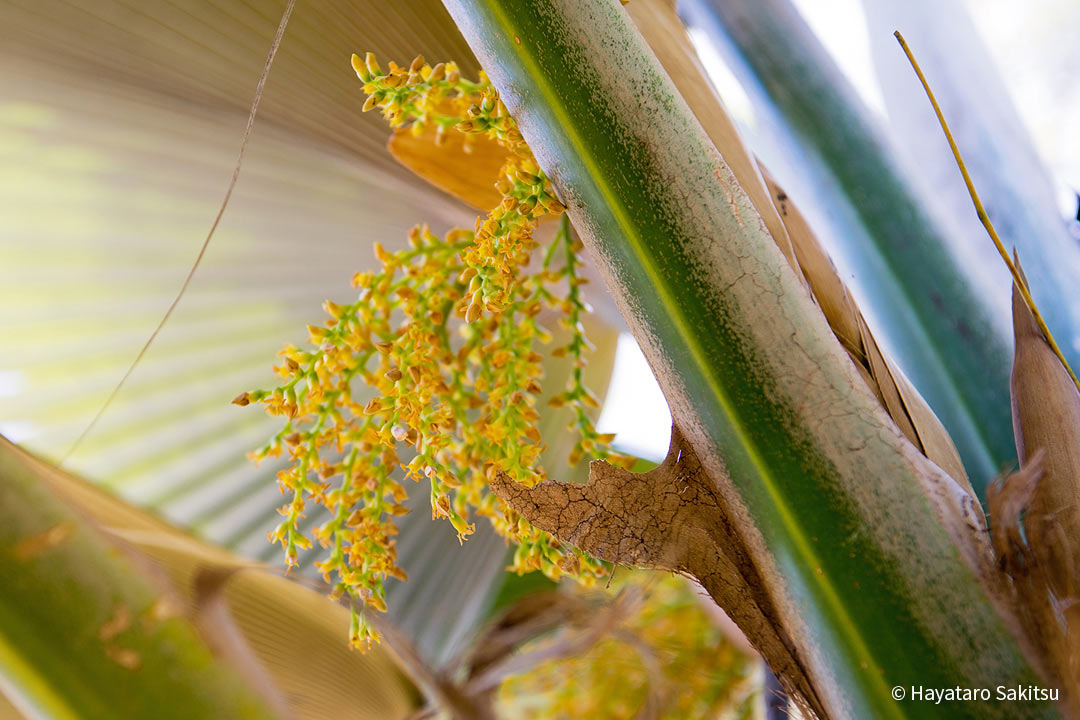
933	314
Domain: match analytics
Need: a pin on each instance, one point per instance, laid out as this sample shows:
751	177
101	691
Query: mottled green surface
63	651
861	541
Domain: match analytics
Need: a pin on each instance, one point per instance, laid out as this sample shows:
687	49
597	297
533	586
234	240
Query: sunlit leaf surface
119	126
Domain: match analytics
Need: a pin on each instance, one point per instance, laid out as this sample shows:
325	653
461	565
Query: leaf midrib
616	207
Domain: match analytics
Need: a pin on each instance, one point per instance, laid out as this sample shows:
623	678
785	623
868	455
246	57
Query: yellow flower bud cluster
433	373
422	95
666	660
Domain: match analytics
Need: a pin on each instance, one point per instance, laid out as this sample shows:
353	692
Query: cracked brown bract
669	518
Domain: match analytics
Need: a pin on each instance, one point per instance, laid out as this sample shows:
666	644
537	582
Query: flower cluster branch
435	371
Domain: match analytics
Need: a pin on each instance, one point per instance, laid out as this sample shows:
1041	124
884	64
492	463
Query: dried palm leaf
1036	513
1046	419
897	395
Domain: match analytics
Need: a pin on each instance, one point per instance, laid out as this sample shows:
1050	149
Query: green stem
843	518
84	633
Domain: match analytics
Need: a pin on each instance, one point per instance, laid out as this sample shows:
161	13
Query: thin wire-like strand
984	218
209	235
